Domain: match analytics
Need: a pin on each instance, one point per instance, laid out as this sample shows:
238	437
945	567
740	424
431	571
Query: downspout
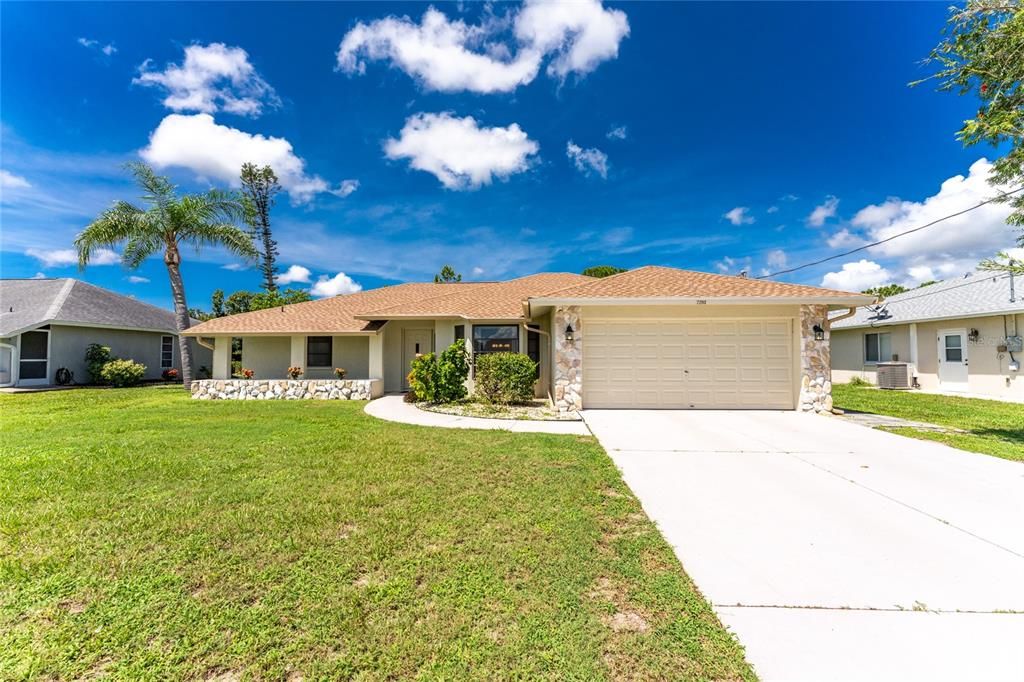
850	312
204	344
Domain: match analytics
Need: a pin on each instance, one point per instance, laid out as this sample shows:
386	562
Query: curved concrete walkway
393	408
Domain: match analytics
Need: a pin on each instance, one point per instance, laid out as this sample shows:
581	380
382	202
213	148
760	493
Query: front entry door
417	342
952	346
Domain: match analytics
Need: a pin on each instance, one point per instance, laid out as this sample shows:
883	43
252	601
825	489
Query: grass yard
993	427
146	535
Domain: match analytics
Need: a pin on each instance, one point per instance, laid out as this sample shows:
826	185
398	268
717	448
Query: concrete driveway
834	551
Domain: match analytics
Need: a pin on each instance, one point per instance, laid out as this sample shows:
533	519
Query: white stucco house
47	324
961	336
654	337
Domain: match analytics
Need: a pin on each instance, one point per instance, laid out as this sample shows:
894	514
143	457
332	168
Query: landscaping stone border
287	389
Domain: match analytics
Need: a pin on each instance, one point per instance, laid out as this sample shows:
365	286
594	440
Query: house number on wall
701	301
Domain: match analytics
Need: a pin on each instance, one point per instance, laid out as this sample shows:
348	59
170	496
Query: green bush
440	379
505	378
96	356
121	373
860	381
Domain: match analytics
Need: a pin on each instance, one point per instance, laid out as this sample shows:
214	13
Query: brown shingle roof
493	300
362	312
660	282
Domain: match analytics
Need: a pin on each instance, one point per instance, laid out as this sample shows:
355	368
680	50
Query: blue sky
502	139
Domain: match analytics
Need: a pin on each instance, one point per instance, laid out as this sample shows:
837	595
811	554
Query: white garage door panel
742	363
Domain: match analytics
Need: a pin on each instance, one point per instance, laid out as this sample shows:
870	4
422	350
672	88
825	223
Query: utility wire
889	239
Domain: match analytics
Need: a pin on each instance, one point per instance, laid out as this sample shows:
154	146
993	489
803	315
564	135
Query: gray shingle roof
979	294
29	303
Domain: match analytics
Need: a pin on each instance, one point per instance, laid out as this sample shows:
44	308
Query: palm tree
168	222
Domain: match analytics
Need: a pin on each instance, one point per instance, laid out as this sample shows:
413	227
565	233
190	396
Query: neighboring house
957	336
47	324
652	337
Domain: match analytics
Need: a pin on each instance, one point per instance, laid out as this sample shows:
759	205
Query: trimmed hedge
122	373
505	378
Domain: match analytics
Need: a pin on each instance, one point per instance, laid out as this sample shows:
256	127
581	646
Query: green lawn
145	535
993	427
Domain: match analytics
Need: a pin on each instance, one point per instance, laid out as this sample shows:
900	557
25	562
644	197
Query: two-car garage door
691	363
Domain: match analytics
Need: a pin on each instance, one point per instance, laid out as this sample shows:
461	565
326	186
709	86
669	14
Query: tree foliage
602	271
886	290
982	54
1002	262
166	223
260	187
447	276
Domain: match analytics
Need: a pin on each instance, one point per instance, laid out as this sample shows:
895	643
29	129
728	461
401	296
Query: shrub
505	378
859	381
203	372
247	373
441	379
169	374
96	356
121	373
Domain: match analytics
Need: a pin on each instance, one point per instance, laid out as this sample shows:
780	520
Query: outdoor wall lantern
569	333
973	335
819	333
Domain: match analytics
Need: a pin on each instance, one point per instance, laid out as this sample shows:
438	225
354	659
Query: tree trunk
172	259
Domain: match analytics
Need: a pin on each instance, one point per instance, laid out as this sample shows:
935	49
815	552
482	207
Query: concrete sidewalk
394	408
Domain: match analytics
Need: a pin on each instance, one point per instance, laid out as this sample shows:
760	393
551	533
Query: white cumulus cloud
91	44
460	153
215	151
845	239
823	212
137	279
452	56
345	188
739	216
776	259
333	286
212	78
51	258
857	276
294	273
9	180
587	161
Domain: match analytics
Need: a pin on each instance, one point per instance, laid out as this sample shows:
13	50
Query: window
166	352
954	348
460	332
496	338
877	348
318	351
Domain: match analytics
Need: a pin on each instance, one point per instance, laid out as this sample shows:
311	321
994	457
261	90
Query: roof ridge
446	294
60	299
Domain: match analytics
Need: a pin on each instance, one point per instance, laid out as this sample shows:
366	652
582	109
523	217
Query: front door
417	342
952	346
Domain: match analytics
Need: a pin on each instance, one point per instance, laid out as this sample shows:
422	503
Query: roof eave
941	318
838	301
194	331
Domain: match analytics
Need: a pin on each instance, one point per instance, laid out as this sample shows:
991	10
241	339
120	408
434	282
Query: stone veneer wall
287	389
568	376
815	361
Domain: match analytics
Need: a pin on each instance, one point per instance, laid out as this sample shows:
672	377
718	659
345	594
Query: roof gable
28	303
978	294
662	282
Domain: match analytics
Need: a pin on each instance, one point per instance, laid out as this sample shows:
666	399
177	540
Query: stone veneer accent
815	362
568	359
286	389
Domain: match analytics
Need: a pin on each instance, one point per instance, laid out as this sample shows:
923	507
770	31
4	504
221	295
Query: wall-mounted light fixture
569	336
973	336
819	333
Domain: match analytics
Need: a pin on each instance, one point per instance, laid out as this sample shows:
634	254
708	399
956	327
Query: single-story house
47	324
654	337
958	336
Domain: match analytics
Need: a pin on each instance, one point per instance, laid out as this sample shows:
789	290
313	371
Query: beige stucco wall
988	370
394	334
270	356
68	344
267	356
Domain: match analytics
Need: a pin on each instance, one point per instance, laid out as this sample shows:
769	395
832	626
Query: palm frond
231	237
159	190
141	246
117	224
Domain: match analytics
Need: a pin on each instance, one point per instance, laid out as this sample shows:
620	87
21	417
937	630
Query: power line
889	239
